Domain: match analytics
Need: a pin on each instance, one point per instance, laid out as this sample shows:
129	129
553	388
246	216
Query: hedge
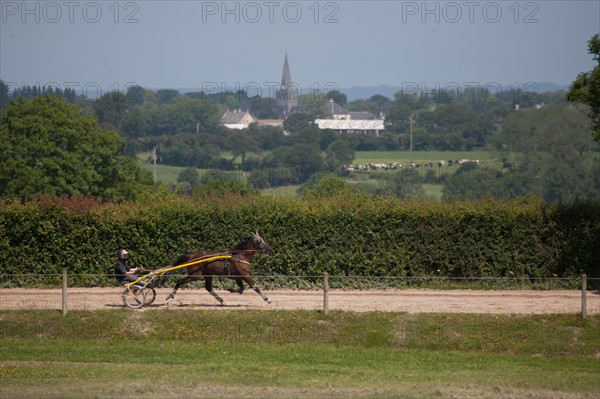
352	235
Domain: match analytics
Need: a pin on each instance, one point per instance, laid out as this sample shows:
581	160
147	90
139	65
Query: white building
372	127
345	121
237	119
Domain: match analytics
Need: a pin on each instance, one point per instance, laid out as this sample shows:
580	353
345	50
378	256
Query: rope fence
67	286
55	280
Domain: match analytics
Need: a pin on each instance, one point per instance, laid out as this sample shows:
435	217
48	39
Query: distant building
237	119
287	95
372	127
340	113
270	122
345	121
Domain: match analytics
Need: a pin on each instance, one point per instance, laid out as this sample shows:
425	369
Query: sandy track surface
407	300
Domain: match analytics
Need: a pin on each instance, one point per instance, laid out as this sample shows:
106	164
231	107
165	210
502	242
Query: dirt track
409	300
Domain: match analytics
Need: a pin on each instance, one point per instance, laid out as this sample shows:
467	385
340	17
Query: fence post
325	293
64	292
584	296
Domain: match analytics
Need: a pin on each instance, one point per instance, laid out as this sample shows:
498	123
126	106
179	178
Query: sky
210	45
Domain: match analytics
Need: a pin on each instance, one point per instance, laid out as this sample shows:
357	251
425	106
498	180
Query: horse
237	268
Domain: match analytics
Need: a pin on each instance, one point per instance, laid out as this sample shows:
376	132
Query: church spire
286	78
287	95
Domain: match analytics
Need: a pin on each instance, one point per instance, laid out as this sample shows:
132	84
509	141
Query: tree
315	105
111	107
298	121
269	137
381	102
328	136
472	182
396	120
240	143
327	186
339	154
405	184
302	161
49	147
136	94
184	115
220	187
586	88
166	96
558	154
337	97
184	154
189	175
456	118
264	108
3	95
568	177
134	123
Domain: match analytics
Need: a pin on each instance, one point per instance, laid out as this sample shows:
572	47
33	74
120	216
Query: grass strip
91	368
298	353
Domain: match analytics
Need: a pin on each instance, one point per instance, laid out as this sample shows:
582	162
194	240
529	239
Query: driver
125	273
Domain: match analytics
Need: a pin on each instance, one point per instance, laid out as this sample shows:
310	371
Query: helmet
122	253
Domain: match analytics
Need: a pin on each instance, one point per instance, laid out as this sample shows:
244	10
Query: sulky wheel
134	297
150	293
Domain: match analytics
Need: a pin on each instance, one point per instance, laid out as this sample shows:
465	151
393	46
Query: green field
364	157
168	174
277	354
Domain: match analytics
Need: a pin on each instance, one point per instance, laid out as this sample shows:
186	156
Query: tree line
558	156
542	136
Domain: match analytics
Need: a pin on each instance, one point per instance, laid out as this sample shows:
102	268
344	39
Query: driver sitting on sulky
125	273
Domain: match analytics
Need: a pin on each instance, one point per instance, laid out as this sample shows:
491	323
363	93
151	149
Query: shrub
350	235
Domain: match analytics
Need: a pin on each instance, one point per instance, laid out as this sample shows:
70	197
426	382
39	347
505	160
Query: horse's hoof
269	301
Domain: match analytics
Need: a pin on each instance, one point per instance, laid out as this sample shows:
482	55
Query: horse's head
259	244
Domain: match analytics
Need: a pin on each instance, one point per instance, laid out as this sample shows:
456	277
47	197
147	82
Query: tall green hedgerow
350	235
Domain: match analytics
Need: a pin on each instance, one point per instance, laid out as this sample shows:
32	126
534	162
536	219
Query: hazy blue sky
196	44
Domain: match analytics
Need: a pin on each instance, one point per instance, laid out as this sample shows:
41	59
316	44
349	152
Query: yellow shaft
162	271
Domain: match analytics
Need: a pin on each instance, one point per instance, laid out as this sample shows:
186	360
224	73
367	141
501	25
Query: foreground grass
296	354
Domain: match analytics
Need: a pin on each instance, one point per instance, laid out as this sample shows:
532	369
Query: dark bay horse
237	268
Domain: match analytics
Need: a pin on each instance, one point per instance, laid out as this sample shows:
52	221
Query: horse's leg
256	288
172	294
240	284
181	282
208	286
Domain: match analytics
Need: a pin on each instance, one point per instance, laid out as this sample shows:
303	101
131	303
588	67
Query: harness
227	263
227	267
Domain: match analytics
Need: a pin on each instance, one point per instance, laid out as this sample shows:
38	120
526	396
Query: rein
244	250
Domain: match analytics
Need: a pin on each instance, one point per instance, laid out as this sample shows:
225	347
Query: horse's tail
181	260
162	279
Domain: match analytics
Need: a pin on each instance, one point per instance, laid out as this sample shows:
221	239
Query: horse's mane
242	245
